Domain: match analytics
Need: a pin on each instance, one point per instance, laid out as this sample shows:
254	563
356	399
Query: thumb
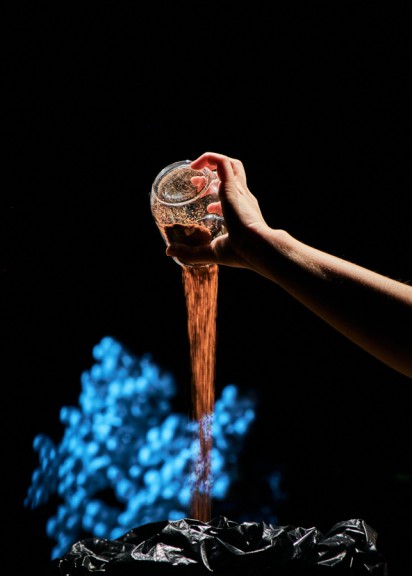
201	254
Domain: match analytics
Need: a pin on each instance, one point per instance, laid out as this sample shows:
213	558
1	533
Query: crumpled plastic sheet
223	547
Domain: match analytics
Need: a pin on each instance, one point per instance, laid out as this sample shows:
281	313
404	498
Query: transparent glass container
179	199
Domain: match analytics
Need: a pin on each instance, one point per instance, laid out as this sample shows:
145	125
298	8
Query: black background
313	99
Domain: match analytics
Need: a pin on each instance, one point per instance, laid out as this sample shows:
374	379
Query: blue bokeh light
126	458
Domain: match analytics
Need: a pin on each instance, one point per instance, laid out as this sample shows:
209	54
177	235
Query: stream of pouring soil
200	287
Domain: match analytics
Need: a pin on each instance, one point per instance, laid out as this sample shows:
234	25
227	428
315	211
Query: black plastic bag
223	547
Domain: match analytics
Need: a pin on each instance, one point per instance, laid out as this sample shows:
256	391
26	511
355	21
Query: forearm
372	310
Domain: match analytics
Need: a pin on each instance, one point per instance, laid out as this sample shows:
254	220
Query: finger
238	169
227	168
222	164
191	254
189	234
215	208
198	182
205	160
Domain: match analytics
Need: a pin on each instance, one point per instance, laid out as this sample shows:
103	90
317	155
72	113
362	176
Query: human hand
240	209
